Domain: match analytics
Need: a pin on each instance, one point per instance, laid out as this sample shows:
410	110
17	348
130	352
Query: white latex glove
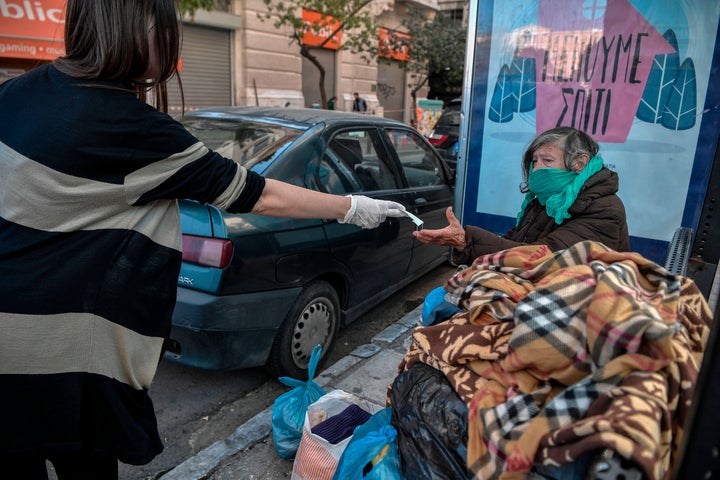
367	212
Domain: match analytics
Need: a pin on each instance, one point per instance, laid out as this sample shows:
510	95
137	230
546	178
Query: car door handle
420	201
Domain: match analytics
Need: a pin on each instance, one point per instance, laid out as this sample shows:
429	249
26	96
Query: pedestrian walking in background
90	175
331	103
359	104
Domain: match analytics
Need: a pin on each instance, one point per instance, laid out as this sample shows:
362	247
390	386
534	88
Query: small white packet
418	223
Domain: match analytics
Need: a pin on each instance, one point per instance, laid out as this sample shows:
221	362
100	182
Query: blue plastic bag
436	308
432	300
288	410
372	454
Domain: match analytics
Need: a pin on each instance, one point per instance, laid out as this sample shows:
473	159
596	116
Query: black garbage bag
431	421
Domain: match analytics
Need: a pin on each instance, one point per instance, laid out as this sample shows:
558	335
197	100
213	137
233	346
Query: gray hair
572	141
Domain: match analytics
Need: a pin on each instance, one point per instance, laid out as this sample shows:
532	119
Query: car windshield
248	143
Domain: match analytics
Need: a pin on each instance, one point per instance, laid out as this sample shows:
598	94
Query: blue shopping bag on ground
288	410
372	454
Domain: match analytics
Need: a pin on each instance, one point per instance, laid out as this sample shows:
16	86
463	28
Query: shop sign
318	27
393	45
32	29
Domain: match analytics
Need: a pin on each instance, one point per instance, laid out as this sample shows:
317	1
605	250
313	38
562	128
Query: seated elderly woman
570	196
536	364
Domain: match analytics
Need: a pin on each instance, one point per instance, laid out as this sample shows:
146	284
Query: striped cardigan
90	251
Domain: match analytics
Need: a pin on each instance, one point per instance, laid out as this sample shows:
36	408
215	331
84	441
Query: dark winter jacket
598	214
359	105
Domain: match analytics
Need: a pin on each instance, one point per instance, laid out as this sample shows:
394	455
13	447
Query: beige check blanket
562	353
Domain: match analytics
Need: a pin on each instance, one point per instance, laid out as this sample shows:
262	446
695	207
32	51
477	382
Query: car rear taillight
436	139
210	252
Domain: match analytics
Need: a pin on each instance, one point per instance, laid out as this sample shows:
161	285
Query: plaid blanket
558	354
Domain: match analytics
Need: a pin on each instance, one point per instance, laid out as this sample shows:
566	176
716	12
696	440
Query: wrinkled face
548	156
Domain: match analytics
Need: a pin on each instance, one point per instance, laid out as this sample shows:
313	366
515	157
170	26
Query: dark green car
257	290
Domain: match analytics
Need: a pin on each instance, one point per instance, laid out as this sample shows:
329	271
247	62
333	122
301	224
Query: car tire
313	319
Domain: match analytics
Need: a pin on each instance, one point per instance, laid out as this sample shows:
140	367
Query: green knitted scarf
558	189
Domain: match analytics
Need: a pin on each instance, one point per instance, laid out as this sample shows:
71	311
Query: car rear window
248	143
450	116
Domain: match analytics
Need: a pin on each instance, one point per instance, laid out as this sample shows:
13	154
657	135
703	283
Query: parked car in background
445	136
257	290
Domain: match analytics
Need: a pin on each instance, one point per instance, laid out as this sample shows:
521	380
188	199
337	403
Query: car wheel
313	319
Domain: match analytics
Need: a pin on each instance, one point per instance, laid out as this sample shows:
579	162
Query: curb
258	427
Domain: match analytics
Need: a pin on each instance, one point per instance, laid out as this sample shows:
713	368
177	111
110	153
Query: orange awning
32	29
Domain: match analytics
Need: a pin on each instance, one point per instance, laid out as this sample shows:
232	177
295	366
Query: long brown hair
108	40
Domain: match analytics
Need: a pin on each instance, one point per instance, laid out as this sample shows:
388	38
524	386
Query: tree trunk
413	94
305	52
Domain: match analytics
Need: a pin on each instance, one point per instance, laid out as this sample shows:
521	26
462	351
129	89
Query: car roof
294	117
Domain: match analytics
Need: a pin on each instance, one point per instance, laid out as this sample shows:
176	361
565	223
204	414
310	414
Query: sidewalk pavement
248	453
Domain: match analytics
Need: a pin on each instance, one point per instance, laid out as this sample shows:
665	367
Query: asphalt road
195	408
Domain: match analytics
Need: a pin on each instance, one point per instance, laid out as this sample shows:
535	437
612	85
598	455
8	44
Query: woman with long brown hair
90	245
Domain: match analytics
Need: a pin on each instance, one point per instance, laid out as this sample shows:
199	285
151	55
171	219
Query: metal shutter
391	88
206	75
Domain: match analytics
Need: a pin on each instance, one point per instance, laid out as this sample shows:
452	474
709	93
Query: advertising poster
640	76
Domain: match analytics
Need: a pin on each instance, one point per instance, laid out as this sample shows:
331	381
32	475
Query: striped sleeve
195	173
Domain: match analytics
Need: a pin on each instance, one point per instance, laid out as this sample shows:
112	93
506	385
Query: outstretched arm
468	242
280	199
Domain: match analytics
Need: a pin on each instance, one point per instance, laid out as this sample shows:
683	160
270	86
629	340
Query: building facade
233	57
266	67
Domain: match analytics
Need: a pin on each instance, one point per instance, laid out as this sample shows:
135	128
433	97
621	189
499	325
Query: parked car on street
257	290
445	135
